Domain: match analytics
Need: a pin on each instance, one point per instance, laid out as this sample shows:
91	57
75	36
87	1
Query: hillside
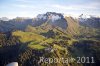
49	35
73	26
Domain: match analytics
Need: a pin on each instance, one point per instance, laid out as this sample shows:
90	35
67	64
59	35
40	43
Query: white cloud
77	9
61	7
27	1
92	6
23	6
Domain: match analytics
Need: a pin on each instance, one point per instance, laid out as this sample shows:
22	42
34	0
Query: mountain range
51	18
50	35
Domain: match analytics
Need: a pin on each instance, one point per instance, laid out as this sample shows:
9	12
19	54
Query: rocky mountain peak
50	16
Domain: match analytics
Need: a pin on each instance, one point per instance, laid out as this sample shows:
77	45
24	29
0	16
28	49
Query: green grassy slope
28	36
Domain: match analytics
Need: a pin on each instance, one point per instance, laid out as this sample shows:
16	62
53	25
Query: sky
31	8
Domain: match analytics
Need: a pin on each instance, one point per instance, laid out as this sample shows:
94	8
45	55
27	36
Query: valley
49	35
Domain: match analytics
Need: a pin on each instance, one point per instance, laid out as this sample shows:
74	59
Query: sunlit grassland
36	45
28	36
33	39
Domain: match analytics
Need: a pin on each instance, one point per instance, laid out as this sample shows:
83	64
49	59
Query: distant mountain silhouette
49	19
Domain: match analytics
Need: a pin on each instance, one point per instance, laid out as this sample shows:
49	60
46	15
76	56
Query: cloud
92	6
27	1
24	6
61	7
